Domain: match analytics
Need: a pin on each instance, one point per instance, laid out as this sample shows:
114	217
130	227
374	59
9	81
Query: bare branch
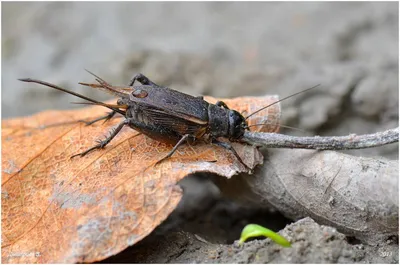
357	195
352	141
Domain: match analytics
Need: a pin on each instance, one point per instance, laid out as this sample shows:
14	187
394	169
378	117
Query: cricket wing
171	101
175	122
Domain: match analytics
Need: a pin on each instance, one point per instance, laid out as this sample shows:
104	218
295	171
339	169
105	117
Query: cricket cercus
167	115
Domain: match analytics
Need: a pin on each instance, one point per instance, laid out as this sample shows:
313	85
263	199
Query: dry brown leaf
61	210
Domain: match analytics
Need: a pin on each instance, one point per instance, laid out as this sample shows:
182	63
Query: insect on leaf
61	210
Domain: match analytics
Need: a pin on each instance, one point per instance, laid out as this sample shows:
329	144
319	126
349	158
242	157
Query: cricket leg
103	143
180	142
105	118
230	147
222	104
142	79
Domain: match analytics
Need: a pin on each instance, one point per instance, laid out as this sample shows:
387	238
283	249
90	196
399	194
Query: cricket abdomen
155	132
160	125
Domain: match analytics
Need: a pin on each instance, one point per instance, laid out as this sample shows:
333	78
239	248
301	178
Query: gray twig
352	141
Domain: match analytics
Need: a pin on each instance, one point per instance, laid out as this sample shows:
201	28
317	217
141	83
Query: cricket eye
139	93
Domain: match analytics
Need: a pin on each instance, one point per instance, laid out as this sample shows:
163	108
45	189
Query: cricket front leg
103	143
222	104
142	79
230	148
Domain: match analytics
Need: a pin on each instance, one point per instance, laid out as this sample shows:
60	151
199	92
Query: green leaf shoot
253	230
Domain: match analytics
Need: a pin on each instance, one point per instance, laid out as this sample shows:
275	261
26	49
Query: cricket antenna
281	100
30	80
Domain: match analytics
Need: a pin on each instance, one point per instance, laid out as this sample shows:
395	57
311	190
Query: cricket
166	115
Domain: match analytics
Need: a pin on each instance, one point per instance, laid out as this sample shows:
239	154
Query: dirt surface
223	50
311	243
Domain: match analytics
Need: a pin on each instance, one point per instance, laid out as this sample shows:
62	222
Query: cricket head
237	125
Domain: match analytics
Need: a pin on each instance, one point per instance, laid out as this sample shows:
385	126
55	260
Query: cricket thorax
218	121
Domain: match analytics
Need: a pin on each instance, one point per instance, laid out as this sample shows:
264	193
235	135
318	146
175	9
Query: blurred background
221	49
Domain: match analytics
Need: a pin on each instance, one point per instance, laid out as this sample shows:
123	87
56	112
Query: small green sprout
252	230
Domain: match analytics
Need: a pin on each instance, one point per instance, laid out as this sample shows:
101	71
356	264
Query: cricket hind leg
106	117
149	130
142	79
103	143
230	148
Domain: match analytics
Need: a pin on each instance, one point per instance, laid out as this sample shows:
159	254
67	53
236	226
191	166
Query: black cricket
166	115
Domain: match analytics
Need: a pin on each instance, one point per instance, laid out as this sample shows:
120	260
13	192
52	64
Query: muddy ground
223	50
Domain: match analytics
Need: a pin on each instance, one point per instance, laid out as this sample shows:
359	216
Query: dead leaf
61	210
